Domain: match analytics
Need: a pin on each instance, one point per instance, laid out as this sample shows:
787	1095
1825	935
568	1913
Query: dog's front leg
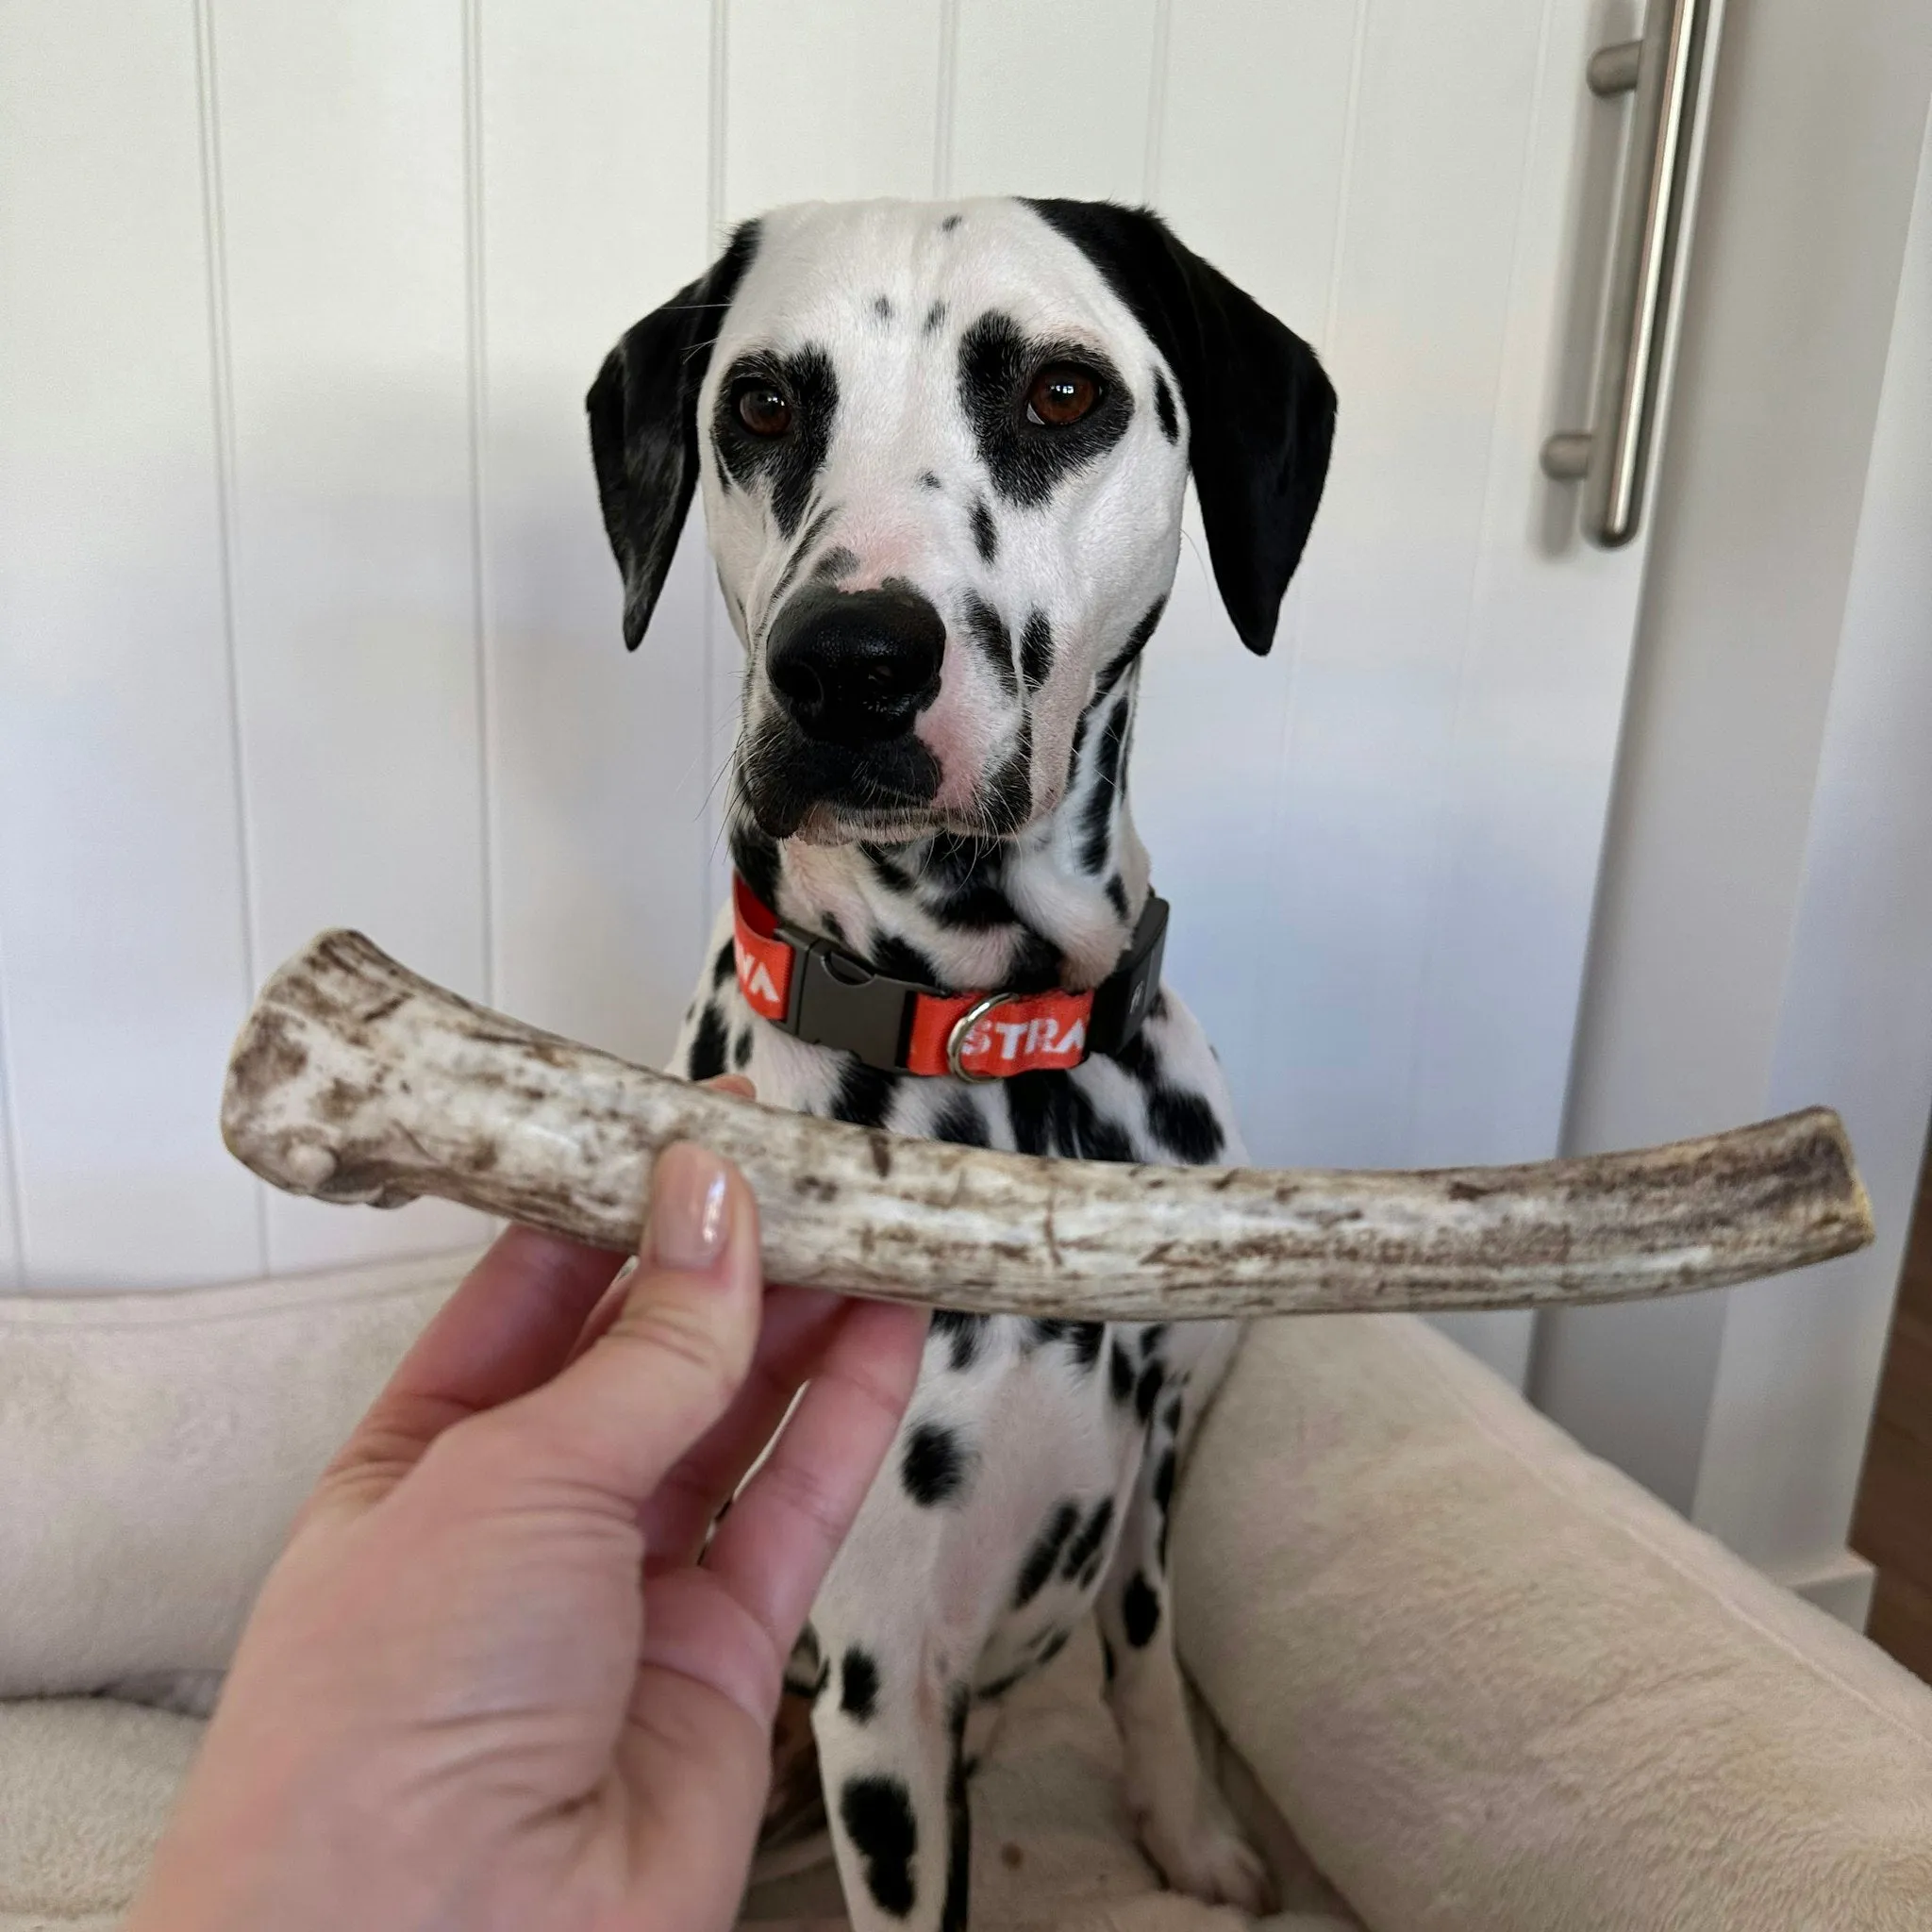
1184	1822
890	1731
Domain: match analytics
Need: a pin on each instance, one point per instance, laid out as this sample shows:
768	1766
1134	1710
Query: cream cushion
1482	1678
1495	1684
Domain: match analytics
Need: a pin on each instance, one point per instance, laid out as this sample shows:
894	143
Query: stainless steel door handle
1611	459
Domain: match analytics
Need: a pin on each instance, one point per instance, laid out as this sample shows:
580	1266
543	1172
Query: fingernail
688	1207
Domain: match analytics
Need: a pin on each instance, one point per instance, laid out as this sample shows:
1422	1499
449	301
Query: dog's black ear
644	431
1261	409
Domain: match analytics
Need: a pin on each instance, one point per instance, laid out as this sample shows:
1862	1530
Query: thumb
618	1417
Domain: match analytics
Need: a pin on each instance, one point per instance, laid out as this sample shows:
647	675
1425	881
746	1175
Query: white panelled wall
309	620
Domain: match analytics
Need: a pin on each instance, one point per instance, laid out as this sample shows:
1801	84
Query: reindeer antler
356	1080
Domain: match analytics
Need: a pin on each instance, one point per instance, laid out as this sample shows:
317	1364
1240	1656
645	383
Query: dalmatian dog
943	450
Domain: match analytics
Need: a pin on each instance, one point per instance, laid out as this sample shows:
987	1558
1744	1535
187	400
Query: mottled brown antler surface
356	1080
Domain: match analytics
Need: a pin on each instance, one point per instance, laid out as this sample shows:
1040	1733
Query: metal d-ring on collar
955	1039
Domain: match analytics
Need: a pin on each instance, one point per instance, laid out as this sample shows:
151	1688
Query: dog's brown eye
764	408
1061	393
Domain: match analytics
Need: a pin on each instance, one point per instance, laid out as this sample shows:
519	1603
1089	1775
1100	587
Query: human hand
498	1677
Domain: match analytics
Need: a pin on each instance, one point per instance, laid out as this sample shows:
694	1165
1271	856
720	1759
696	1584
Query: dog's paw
1208	1860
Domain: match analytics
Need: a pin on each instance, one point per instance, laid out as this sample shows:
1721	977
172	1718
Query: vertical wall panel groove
1157	103
222	390
945	94
476	348
720	643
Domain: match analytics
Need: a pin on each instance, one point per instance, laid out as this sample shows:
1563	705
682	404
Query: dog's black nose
856	667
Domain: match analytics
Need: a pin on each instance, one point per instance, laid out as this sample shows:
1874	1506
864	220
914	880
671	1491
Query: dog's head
943	452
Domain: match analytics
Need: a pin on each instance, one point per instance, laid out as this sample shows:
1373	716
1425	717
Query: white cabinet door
305	616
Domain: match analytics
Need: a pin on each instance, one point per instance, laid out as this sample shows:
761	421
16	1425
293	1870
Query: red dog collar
820	992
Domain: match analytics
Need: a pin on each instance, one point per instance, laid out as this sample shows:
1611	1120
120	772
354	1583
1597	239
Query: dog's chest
1016	1463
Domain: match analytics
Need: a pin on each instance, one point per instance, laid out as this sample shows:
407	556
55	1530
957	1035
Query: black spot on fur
1139	1611
1044	1555
976	906
800	551
988	630
876	1813
1116	667
865	1096
1163	408
965	1333
837	562
1036	650
1150	1337
1085	1548
1117	895
1051	1115
1009	792
991	1693
1184	1124
756	859
1147	1390
935	316
741	1050
896	959
790	463
858	1684
1052	1648
1096	814
928	481
986	535
959	1820
1171	1419
882	308
1140	1057
934	1465
962	1123
1084	1337
1107	1664
708	1046
967	876
950	223
1026	460
1120	1374
1163	1481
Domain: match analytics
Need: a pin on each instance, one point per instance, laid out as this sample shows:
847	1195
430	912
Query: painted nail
688	1207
